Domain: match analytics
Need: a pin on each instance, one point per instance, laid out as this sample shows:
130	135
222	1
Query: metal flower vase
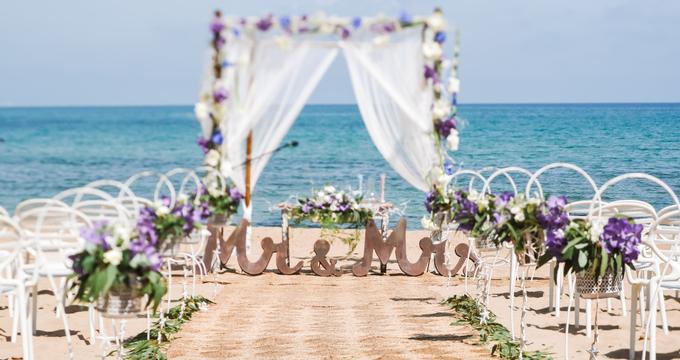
120	301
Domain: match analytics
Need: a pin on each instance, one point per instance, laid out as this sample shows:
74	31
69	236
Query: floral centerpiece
597	254
165	225
117	267
221	202
526	222
331	208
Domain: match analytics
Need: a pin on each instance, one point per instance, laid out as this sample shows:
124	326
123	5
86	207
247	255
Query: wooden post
249	155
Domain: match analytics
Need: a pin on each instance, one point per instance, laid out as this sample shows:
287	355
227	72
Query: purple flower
440	37
444	127
217	137
217	25
284	22
465	212
96	235
429	200
235	194
219	42
265	23
454	99
620	236
344	33
343	207
405	18
389	27
503	199
555	242
551	215
307	208
145	226
448	167
220	94
356	22
204	144
430	73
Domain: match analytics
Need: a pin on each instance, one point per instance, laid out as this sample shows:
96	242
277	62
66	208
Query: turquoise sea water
46	150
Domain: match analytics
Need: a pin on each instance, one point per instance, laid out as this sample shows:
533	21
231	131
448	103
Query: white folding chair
54	234
514	264
14	283
575	209
159	184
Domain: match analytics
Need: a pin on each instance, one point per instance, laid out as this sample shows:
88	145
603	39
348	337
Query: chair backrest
534	178
506	172
665	233
31	204
578	209
189	184
472	174
641	212
53	227
159	182
119	191
97	205
10	233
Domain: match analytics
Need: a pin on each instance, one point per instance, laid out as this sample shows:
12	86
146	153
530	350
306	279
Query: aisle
309	317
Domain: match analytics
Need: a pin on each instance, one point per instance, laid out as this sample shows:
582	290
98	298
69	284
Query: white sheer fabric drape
270	85
395	102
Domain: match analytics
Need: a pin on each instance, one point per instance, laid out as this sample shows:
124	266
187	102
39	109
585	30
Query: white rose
212	158
515	210
162	210
427	223
482	204
333	207
113	257
432	50
436	21
381	40
454	85
520	216
442	109
202	113
121	233
595	231
452	140
327	199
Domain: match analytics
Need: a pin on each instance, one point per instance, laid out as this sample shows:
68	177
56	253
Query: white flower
320	194
427	223
595	231
212	158
436	21
515	210
432	50
442	109
482	204
182	198
452	140
519	216
333	207
381	40
454	85
329	189
473	195
162	210
202	113
113	256
120	233
283	41
534	201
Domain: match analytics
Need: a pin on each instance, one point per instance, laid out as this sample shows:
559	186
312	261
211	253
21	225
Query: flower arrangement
331	208
164	224
221	202
116	257
595	249
440	74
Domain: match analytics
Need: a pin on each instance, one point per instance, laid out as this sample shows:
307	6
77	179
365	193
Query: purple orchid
440	37
621	236
217	25
220	94
204	144
429	200
96	235
265	23
503	199
430	73
235	195
217	137
444	127
356	22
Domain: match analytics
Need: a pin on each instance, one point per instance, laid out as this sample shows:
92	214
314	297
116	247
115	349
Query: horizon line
7	106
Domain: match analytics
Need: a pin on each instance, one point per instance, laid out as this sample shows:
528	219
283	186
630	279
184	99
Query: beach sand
391	316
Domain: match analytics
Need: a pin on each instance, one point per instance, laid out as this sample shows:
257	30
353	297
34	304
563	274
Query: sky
151	52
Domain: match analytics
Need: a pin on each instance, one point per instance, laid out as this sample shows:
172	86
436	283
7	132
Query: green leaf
582	259
604	262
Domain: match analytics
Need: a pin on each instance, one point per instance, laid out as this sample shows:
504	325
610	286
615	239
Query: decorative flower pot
218	220
590	287
120	302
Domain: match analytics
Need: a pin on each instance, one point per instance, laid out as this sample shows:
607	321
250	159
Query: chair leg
25	332
609	305
513	280
622	297
577	311
13	310
662	310
34	312
643	306
589	317
634	294
91	323
169	283
560	287
551	288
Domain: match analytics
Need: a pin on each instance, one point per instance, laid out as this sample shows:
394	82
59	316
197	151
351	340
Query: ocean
46	150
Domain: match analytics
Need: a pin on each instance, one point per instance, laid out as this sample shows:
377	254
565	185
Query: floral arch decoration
221	100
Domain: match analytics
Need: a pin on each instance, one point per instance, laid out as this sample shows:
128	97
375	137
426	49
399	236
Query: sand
391	316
